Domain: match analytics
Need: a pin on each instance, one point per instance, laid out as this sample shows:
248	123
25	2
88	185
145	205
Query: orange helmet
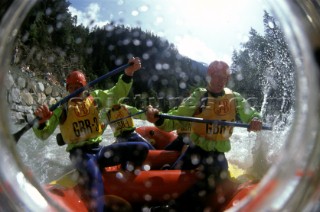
218	66
76	76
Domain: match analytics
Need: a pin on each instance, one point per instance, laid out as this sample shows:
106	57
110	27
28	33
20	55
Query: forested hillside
50	40
264	70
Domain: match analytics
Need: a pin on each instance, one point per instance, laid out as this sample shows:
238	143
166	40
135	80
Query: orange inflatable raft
127	190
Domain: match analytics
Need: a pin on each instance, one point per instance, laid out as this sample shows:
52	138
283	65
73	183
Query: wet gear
107	98
82	121
218	66
222	108
117	112
76	77
190	107
124	129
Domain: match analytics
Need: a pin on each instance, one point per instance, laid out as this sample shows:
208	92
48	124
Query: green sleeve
49	127
134	110
244	110
186	108
107	98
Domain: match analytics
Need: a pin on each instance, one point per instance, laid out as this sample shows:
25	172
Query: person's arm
245	111
110	97
121	88
186	108
133	110
248	114
48	126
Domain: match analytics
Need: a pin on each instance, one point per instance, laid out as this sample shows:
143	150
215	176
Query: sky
203	30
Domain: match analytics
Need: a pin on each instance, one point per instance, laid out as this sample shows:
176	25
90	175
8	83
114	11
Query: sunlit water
253	152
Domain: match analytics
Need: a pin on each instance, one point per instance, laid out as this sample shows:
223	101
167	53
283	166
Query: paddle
18	134
208	121
131	115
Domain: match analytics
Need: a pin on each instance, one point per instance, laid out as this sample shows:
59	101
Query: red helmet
218	66
76	76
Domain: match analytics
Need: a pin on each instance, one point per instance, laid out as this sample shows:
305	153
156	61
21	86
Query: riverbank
25	91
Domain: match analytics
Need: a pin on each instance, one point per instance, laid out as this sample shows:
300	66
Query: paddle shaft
208	121
135	114
90	84
18	134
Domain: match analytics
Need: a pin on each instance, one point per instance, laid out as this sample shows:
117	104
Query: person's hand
133	68
151	114
255	125
43	113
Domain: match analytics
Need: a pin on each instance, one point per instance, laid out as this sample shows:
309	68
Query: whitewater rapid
253	152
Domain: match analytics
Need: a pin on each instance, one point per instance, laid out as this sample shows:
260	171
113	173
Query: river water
253	152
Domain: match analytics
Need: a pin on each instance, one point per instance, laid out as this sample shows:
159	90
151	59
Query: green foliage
4	5
264	69
51	40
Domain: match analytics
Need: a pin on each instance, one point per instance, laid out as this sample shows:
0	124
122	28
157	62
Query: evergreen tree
51	41
281	68
264	69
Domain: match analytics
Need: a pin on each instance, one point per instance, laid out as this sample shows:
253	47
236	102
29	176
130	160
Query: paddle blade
18	134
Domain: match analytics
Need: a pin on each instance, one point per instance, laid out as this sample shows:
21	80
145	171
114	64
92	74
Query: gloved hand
133	68
255	125
151	114
43	113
